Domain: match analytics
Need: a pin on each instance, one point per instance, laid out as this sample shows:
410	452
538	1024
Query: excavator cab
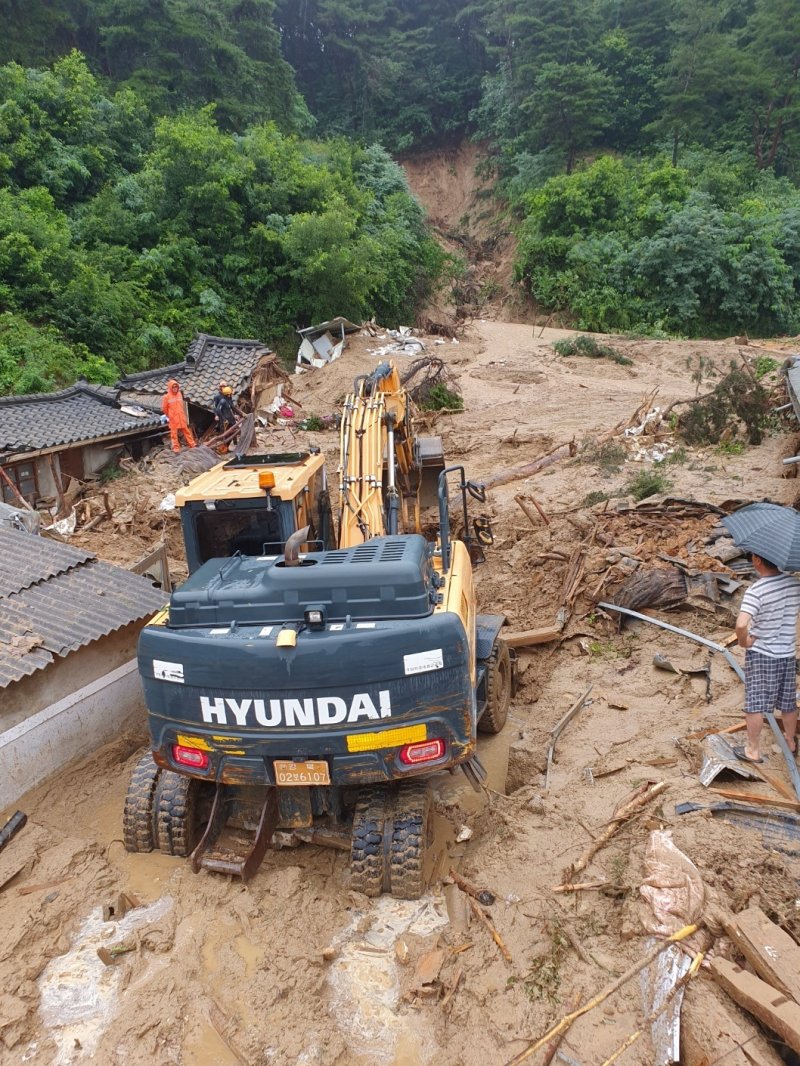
252	504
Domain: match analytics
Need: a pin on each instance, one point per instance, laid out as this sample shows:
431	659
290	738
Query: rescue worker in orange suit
175	410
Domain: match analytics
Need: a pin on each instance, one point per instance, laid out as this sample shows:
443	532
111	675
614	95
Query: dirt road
294	967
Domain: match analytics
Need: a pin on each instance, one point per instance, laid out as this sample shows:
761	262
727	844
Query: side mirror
477	491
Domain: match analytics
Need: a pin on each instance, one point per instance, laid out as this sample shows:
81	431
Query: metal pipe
791	762
791	459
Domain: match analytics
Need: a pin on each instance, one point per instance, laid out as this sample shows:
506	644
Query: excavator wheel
498	689
366	842
176	813
138	819
411	831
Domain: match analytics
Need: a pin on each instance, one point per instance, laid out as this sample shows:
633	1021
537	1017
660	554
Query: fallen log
566	450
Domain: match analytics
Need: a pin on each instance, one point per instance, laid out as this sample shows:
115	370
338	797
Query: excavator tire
498	689
177	821
138	818
410	840
366	842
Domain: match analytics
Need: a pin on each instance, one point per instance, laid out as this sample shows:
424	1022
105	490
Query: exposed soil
295	967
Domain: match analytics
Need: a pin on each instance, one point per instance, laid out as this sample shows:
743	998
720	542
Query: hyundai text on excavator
304	690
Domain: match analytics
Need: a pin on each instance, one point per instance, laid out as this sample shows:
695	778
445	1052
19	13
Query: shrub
589	347
648	483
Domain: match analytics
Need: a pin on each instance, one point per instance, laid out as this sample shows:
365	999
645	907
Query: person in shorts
767	628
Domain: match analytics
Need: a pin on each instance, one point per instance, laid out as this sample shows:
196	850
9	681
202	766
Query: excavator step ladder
218	858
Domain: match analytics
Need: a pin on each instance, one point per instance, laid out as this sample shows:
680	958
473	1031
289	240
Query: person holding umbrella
767	623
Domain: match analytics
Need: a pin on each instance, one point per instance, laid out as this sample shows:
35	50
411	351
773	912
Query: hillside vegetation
172	165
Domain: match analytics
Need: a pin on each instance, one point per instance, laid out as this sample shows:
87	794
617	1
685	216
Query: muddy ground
296	968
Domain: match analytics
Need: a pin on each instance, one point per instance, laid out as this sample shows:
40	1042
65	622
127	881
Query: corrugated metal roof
50	419
208	360
40	559
76	600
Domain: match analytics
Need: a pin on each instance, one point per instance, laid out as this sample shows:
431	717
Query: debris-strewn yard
295	967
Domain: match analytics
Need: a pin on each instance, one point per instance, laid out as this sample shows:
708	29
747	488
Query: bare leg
789	720
754	723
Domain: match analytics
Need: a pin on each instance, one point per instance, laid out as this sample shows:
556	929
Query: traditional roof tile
208	360
49	419
75	600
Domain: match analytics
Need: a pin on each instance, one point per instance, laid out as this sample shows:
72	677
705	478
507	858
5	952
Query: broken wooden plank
771	952
528	637
744	796
713	1029
772	1008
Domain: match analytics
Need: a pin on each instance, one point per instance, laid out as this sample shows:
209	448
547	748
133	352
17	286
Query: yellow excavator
300	689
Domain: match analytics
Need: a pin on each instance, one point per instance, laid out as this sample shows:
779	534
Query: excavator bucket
430	459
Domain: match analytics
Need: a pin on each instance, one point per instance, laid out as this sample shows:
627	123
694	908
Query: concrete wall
30	694
45	742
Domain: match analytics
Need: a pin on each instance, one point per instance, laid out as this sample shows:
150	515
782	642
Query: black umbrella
768	530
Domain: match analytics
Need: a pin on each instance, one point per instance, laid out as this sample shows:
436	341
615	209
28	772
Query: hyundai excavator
304	689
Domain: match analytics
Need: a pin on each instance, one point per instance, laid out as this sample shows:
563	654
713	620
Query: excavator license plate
312	772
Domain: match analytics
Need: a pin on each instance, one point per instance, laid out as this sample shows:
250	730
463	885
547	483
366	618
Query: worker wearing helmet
174	409
225	410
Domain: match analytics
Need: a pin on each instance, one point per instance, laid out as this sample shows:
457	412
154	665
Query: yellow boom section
361	442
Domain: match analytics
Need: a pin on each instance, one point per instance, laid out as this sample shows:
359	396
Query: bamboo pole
601	997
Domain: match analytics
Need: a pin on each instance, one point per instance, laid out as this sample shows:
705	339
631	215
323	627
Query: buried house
248	366
69	626
48	438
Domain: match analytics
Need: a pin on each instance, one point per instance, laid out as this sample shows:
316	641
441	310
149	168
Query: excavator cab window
251	531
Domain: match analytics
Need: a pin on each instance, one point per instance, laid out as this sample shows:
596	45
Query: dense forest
173	165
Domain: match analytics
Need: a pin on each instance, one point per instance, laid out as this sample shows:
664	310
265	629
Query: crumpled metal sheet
718	756
656	982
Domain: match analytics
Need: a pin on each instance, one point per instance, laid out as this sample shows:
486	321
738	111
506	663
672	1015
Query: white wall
78	724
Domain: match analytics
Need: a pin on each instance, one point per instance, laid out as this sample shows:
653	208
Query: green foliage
591	348
730	447
765	365
648	482
440	398
126	254
609	456
37	359
643	247
591	498
735	398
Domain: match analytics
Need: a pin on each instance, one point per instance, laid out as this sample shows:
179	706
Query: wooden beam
713	1029
528	637
771	952
770	1007
744	796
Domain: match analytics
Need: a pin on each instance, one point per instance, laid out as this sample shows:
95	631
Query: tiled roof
49	419
208	360
74	600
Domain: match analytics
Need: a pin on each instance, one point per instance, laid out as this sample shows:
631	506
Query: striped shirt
773	603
